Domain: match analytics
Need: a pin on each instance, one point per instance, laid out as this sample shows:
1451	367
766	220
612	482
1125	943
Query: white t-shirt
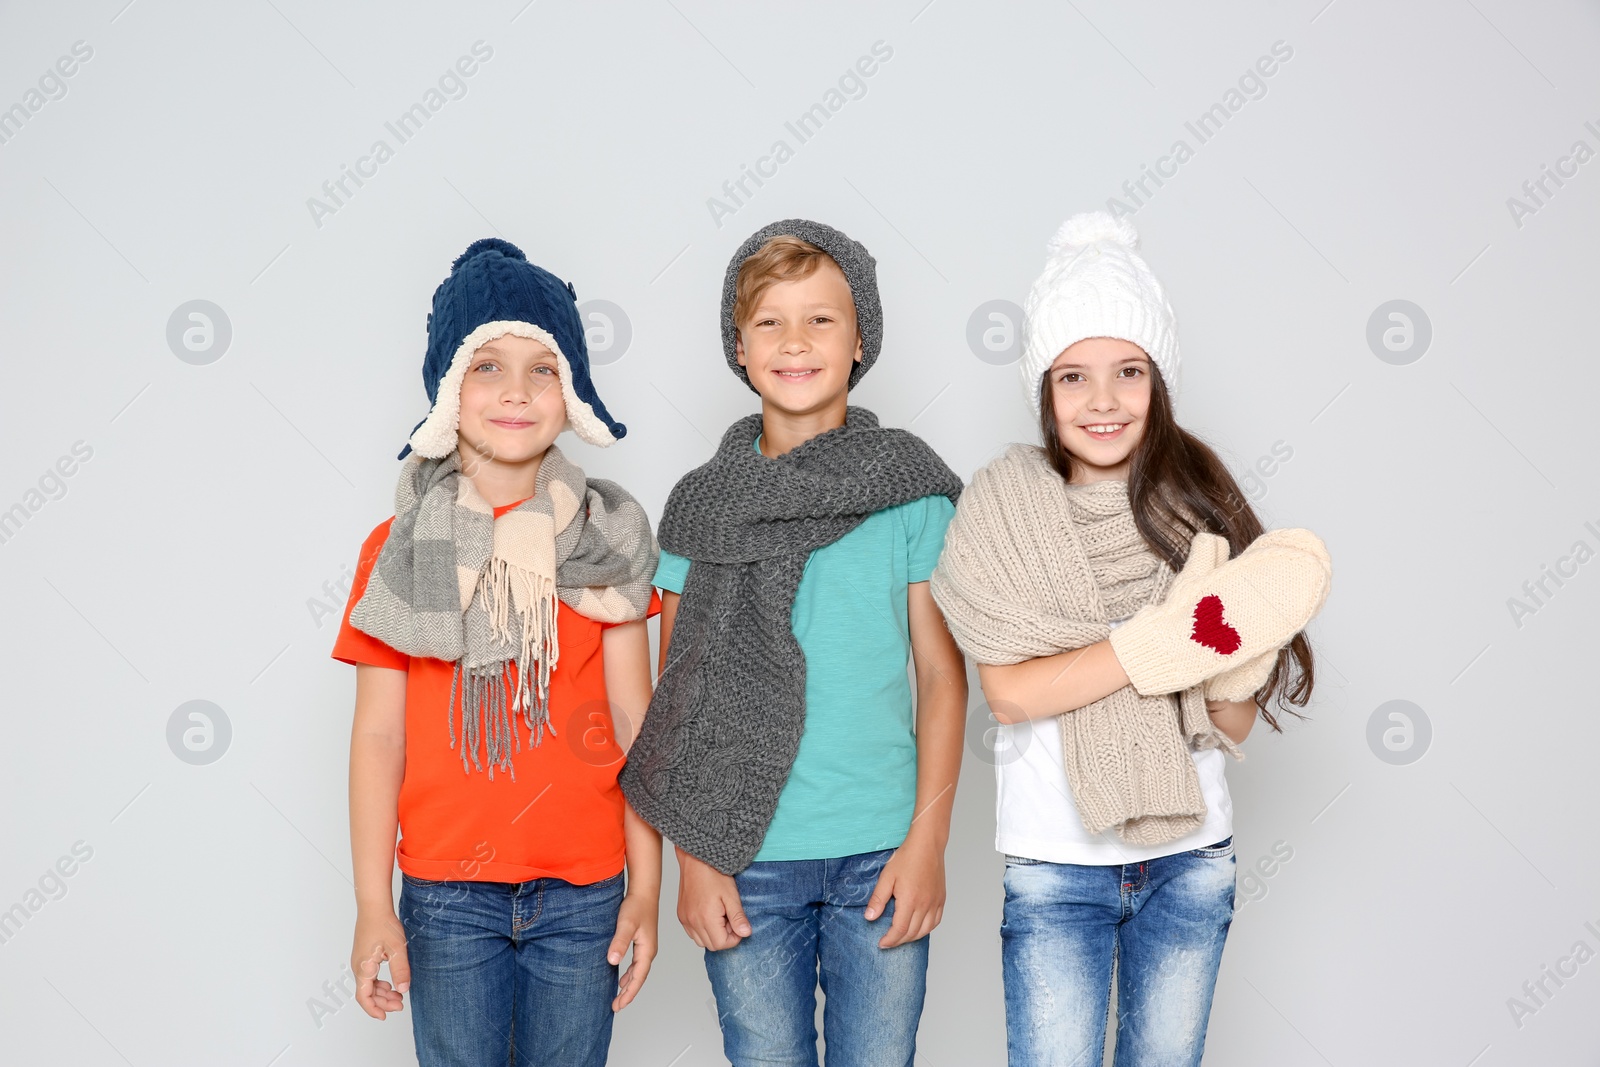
1036	817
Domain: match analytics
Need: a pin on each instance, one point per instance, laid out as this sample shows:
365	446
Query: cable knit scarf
1032	567
457	584
729	707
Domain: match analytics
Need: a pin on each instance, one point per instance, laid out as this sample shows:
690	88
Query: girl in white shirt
1118	830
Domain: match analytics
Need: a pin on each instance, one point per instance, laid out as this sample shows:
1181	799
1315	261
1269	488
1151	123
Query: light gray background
180	561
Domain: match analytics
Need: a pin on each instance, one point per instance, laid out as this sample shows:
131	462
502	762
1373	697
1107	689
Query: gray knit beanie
860	271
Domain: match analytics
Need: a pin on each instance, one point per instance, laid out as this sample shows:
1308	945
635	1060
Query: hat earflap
437	435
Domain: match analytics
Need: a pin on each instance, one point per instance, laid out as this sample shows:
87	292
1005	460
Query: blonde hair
781	259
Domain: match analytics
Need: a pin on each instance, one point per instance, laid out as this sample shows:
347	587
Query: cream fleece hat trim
1095	285
437	437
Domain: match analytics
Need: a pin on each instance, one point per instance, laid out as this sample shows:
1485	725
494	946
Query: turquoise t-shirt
853	785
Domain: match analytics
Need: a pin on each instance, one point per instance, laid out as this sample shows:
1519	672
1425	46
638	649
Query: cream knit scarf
1032	567
455	583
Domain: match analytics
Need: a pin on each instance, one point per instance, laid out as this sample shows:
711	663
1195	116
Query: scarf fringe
600	563
489	700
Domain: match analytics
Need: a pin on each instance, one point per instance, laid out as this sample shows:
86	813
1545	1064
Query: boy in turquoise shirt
808	809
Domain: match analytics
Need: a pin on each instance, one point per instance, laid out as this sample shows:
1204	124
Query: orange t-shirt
562	815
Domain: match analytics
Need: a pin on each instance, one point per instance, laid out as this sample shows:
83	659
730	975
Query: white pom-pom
1092	227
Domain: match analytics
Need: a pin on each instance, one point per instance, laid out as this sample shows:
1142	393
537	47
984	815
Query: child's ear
738	347
858	346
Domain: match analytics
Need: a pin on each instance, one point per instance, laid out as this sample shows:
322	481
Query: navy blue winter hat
493	290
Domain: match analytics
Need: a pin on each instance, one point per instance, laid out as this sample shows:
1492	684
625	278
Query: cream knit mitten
1206	554
1225	617
1244	681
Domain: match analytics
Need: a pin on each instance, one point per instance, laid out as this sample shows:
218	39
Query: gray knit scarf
455	583
729	707
1032	567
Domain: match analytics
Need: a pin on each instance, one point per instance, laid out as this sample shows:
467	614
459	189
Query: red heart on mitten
1210	630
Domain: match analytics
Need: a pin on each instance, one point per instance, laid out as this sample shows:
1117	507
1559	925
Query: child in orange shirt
497	624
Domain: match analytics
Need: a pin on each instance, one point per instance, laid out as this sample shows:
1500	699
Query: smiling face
511	403
799	341
1099	390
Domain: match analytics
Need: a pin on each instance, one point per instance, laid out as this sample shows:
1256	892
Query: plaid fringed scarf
455	583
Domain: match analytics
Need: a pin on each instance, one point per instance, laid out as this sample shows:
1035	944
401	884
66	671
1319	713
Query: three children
806	790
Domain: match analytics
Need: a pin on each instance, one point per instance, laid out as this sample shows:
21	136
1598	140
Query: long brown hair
1178	486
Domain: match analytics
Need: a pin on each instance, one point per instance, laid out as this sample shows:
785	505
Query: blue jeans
1164	921
510	973
807	922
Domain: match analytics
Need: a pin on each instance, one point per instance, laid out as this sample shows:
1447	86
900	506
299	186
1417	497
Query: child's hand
379	937
914	877
636	926
708	905
1219	615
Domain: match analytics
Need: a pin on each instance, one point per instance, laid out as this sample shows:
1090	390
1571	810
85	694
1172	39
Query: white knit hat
1095	285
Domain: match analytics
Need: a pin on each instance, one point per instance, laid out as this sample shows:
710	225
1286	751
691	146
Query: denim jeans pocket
607	883
1221	850
1021	861
420	883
